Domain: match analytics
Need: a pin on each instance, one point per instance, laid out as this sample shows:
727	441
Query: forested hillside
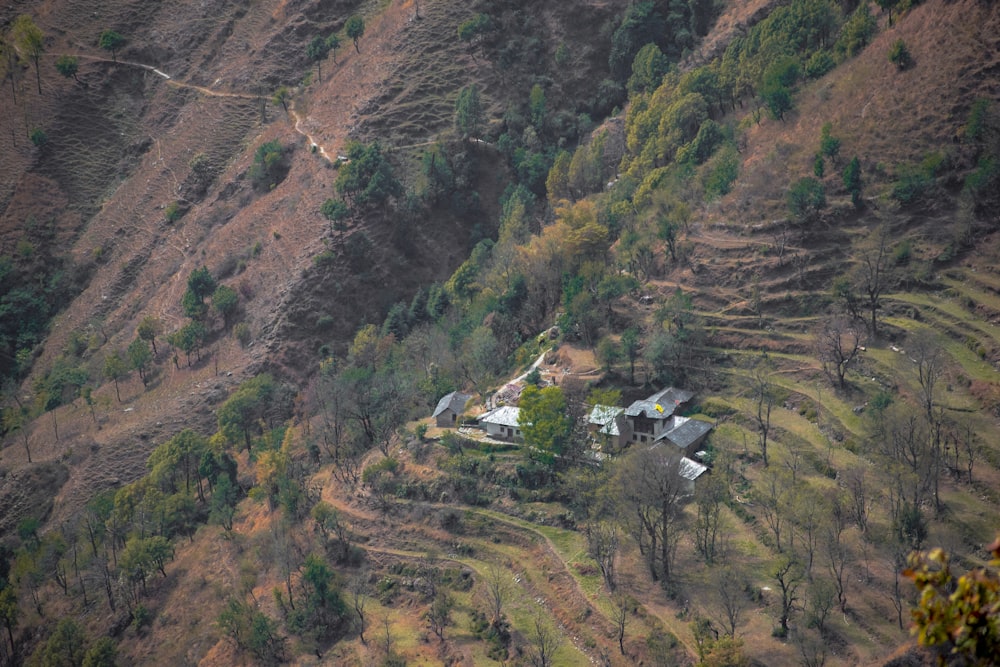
247	249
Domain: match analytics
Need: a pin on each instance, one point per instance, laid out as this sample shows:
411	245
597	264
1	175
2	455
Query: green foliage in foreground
957	618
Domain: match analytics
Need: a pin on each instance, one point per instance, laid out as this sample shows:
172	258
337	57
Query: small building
686	434
449	408
690	471
502	423
604	425
648	419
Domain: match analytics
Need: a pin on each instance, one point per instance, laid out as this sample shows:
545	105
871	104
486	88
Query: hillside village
272	277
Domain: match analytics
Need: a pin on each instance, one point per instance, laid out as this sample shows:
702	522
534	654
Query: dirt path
313	144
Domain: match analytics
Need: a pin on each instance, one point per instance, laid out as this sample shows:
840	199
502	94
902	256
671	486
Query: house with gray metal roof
686	434
449	408
502	423
604	423
648	419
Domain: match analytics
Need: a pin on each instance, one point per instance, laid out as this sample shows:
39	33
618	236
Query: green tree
899	55
544	423
201	283
469	112
190	338
648	69
243	410
857	31
368	177
30	41
225	301
537	106
66	646
852	181
333	43
474	31
641	24
140	356
806	197
337	212
68	66
887	6
222	507
176	463
317	51
269	164
149	328
281	97
9	613
630	348
103	653
354	28
829	145
252	630
115	369
111	41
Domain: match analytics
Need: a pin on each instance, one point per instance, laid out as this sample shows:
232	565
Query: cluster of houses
655	420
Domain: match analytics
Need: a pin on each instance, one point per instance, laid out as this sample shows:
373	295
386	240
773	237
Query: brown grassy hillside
121	143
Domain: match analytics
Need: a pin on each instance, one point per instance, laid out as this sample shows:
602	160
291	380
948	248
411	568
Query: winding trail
213	93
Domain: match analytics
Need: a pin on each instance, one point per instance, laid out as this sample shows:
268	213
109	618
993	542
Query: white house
502	423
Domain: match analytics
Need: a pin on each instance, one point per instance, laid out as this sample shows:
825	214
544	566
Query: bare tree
729	586
862	494
809	508
359	600
763	396
496	590
925	351
650	489
838	557
439	614
812	649
710	494
874	272
773	493
820	597
788	574
602	544
619	616
838	342
545	641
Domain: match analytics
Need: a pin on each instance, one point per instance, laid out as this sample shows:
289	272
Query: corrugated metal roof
506	415
605	417
689	469
684	434
668	399
455	401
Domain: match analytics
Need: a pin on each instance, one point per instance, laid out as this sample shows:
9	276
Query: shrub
806	197
829	145
173	212
912	184
38	137
269	166
899	55
852	181
242	333
901	255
